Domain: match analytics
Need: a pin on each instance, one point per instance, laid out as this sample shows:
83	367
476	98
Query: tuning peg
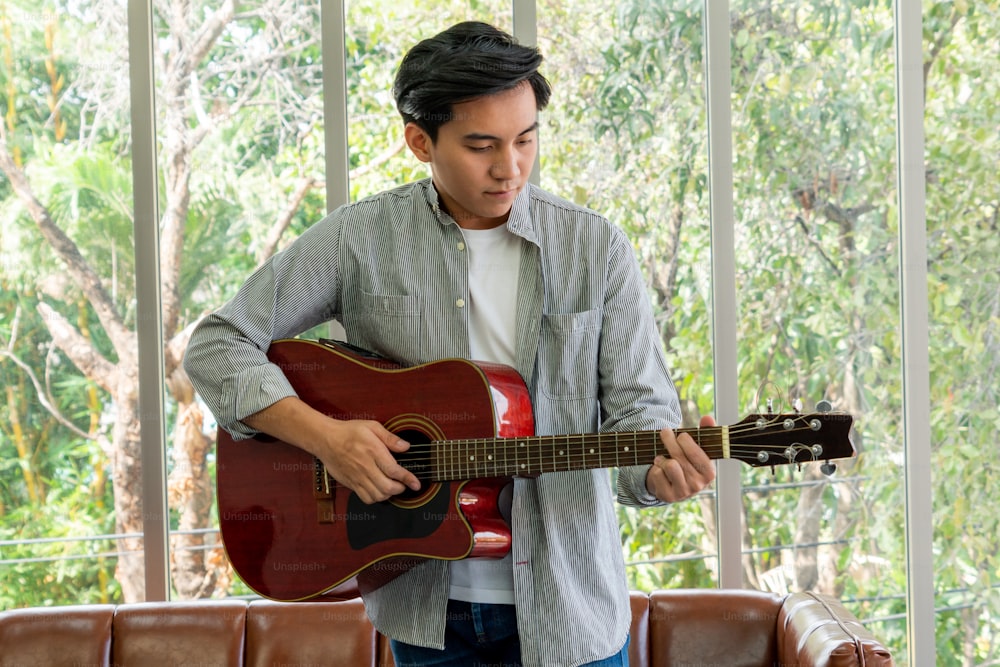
824	406
828	468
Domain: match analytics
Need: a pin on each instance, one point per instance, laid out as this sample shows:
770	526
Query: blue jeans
480	635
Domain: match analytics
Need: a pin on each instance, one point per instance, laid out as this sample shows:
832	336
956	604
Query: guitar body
292	533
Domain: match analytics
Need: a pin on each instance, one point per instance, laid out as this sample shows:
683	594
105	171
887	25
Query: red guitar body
291	533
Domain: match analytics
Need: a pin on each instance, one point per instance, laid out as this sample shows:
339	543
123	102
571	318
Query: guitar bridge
322	493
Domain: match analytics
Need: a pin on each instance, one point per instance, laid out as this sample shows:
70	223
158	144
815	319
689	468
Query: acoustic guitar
292	533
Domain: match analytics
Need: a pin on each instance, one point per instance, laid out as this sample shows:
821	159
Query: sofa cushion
76	635
177	633
310	633
713	627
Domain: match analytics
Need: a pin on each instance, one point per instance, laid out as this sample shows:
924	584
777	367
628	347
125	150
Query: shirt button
461	245
460	303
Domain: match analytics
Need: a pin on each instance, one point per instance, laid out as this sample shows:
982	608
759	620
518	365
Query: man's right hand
357	454
362	460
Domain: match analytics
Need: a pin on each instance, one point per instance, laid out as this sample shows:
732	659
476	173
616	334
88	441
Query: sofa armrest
818	630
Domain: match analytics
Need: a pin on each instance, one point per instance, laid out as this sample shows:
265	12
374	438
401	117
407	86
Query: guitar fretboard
505	457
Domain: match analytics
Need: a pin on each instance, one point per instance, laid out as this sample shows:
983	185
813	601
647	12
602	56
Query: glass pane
625	134
243	162
378	36
817	275
241	159
962	124
70	511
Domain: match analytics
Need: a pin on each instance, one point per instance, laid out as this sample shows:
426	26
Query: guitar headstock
763	440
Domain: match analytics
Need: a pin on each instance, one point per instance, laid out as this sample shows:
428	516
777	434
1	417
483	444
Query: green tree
213	73
815	195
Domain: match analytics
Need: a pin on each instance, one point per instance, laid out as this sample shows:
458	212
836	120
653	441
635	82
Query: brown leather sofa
680	628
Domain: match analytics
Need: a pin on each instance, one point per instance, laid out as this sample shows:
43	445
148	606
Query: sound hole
417	459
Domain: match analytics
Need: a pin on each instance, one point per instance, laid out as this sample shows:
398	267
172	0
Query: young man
473	262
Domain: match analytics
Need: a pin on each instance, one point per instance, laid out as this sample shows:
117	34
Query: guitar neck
505	457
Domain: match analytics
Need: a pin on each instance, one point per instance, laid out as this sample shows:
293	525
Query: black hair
466	61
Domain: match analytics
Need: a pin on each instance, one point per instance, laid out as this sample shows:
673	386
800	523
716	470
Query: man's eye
479	149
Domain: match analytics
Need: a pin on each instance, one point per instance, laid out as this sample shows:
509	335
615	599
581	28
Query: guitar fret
477	457
465	460
473	458
506	469
483	457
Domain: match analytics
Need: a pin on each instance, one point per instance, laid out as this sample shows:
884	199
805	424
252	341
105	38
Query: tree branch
307	183
274	234
44	397
80	350
816	244
380	159
174	350
81	272
209	33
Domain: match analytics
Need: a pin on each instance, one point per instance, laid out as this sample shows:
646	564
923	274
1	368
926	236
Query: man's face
483	156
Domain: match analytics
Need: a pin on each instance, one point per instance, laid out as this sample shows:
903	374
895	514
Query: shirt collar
519	221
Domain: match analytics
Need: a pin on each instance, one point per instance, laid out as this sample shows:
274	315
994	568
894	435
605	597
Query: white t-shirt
494	262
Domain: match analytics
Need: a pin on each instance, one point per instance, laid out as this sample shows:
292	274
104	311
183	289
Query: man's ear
418	141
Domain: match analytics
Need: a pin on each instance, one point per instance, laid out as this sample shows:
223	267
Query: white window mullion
332	35
724	308
915	338
149	319
525	13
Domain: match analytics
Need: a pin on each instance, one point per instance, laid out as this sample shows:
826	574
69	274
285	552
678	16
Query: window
822	310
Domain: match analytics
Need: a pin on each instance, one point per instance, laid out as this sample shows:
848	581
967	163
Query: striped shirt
392	269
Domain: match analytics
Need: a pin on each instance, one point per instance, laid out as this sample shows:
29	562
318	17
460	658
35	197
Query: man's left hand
686	471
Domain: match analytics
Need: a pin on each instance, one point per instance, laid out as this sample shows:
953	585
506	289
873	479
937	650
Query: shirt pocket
388	324
567	355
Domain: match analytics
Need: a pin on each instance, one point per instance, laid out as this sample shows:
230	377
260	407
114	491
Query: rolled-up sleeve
293	291
232	386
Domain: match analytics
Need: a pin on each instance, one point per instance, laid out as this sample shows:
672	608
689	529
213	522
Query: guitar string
639	437
453	452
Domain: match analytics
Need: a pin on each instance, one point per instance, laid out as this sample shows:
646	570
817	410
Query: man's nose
505	167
